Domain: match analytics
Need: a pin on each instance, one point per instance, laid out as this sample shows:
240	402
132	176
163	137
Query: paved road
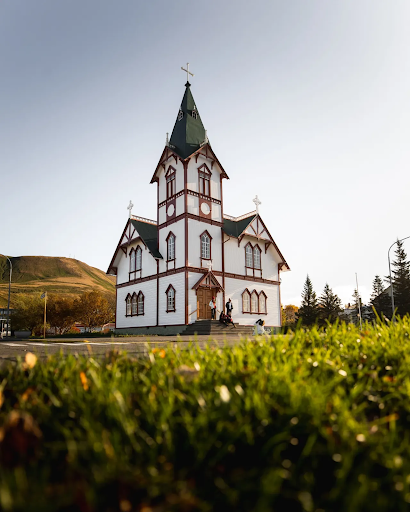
134	346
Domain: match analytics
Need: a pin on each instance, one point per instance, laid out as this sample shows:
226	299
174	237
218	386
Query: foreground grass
311	422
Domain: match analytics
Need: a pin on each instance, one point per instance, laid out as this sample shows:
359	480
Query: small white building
169	269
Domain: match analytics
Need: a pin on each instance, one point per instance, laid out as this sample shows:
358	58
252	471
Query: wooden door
204	297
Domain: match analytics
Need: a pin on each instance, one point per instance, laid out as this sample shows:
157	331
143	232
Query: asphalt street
134	346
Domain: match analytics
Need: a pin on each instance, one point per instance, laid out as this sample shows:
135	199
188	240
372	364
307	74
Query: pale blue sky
306	104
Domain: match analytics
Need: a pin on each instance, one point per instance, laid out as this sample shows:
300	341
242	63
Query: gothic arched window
140	299
132	260
246	302
170	179
138	258
254	302
248	255
205	246
170	298
134	305
262	302
256	257
170	246
128	305
204	175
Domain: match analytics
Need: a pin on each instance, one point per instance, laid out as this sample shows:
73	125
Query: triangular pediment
208	280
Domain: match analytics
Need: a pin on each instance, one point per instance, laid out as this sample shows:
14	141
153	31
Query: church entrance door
204	297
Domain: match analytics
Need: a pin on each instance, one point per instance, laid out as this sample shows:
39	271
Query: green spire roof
189	133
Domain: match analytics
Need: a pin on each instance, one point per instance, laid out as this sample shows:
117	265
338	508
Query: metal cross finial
187	71
257	203
130	207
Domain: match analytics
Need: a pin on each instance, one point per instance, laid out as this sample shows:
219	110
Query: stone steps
201	327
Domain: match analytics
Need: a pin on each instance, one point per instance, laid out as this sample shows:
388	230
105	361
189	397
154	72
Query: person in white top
212	305
260	329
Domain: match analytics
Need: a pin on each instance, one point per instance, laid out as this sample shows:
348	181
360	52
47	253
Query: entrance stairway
214	327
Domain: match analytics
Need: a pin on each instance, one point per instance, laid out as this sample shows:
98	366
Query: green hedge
315	421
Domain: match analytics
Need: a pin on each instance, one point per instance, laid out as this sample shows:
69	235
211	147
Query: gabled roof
212	280
236	227
146	231
189	133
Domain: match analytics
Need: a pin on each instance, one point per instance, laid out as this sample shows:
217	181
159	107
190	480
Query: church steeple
189	133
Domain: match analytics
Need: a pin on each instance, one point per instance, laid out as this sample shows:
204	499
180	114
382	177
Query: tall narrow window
134	309
249	255
254	302
132	260
140	303
170	180
128	305
205	246
138	258
170	298
171	246
204	180
246	302
256	258
262	302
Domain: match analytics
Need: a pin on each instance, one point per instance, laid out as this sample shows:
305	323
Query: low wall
160	330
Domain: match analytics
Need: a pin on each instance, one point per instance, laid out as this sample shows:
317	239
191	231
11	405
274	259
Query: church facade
168	269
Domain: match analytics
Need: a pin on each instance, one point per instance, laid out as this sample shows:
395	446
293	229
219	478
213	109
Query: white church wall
193	205
149	318
192	176
234	289
180	205
162	214
178	228
162	186
234	256
176	317
195	230
216	212
270	262
215	182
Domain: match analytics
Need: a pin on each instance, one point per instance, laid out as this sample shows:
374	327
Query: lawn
315	421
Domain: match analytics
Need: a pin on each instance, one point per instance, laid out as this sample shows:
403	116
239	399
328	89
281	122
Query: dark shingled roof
189	133
236	228
148	233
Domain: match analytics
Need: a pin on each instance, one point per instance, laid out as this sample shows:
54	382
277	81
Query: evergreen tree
401	281
330	305
309	309
380	299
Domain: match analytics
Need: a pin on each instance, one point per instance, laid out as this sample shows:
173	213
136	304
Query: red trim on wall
199	271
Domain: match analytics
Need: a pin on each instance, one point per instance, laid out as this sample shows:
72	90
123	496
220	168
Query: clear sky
306	104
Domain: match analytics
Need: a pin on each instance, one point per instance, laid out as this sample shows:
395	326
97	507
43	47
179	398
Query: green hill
36	274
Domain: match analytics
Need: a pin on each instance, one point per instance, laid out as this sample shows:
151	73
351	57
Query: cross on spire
130	207
187	71
257	203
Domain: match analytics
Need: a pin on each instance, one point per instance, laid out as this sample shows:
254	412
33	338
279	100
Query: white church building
167	270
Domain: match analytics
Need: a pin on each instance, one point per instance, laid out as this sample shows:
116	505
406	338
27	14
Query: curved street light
391	282
8	302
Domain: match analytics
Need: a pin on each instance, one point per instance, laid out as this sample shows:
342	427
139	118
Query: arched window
134	309
170	179
138	258
246	302
128	305
140	303
254	302
170	298
262	302
171	246
248	256
256	258
204	175
205	246
132	260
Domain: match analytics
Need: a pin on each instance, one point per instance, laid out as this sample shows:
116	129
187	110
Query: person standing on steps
212	305
229	307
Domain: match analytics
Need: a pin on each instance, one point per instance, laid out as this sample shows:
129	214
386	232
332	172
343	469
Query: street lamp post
391	282
8	302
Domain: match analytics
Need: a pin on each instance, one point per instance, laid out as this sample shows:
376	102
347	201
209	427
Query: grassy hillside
34	274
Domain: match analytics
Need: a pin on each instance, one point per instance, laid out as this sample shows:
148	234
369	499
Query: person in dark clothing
229	307
223	318
229	320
